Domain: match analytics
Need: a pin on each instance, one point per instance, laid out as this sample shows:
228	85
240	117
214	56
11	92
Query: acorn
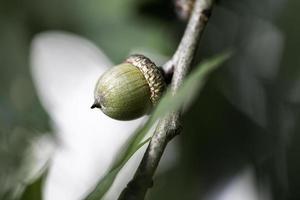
129	90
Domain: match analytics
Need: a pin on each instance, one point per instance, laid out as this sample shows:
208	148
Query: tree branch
169	126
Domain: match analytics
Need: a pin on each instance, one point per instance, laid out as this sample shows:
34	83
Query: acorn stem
167	74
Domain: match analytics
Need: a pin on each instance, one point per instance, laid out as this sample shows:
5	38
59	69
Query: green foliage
168	103
34	190
106	182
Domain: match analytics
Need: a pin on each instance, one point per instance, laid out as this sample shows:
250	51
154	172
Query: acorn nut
129	90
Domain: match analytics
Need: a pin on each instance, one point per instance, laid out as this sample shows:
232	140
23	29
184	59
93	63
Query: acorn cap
152	74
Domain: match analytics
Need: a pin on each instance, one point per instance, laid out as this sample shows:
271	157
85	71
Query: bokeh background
246	119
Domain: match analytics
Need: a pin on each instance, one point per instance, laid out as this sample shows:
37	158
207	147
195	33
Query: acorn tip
95	105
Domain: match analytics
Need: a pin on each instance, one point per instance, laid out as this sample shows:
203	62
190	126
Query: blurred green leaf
34	190
106	182
190	88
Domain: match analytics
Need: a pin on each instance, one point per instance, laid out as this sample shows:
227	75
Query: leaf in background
190	88
34	190
109	178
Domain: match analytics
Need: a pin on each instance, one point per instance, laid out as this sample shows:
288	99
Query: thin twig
169	126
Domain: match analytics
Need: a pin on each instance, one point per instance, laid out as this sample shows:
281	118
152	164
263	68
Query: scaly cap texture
152	75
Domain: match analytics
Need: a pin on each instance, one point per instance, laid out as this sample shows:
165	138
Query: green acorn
129	90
